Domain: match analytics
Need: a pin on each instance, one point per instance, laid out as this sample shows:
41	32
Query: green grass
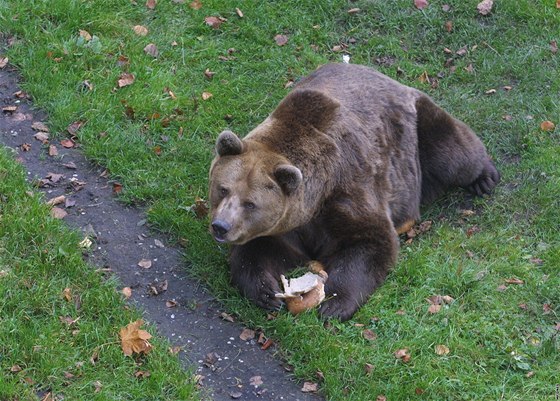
493	342
39	352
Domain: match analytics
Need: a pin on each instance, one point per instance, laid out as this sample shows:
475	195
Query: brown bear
333	174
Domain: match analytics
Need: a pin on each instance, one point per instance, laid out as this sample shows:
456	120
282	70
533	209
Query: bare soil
228	366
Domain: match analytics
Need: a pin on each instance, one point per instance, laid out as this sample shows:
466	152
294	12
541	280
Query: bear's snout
220	228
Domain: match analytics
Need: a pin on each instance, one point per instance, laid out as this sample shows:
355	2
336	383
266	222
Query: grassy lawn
157	134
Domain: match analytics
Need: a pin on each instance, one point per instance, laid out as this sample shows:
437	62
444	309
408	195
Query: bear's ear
288	177
228	144
307	106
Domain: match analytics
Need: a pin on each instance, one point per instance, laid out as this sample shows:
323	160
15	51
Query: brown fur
332	175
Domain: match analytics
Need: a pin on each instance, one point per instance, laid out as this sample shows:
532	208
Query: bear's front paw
338	308
262	291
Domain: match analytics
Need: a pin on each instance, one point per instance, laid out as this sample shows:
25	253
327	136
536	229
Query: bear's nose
220	228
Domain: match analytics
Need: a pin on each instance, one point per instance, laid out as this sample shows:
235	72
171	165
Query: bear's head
251	190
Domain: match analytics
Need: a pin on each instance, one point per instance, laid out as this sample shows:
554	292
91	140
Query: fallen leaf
501	288
354	11
547	308
151	4
171	303
15	369
3	62
255	381
514	281
227	317
309	387
134	340
239	12
74	127
67	143
490	91
9	109
26	147
97	386
145	263
421	4
42	137
547	126
175	350
369	368
247	334
448	26
381	397
40	126
158	287
462	51
140	30
196	5
200	208
554	45
206	95
67	294
68	320
210	359
53	151
209	74
434	308
402	354
214	22
158	243
127	292
117	188
267	344
85	34
125	79
58	213
141	374
281	40
424	78
446	8
151	49
484	7
441	349
56	200
369	335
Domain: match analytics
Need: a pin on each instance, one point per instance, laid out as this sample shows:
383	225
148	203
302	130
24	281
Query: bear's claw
486	181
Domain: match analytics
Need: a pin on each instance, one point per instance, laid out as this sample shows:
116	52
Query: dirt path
230	368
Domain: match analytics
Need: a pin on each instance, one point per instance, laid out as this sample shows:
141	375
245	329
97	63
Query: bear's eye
224	192
249	205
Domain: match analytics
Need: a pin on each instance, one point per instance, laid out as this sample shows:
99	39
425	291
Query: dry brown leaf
74	127
58	213
421	4
151	49
434	308
484	7
354	11
441	349
214	22
196	5
490	91
140	30
145	263
554	45
227	317
9	109
369	368
53	151
142	374
381	397
26	147
369	335
135	340
127	292
67	143
97	386
247	334
514	281
547	126
200	208
206	95
117	188
171	303
151	4
255	381
3	62
448	26
42	137
209	74
67	294
402	354
15	369
40	126
281	40
239	12
309	387
125	79
56	200
85	34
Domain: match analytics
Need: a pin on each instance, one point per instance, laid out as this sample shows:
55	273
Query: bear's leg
450	154
256	267
358	265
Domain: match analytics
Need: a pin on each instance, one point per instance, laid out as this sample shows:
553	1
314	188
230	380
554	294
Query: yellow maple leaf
134	340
